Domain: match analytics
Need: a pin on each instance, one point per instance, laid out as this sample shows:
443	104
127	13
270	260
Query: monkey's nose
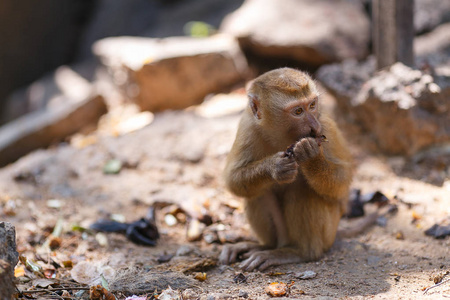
314	132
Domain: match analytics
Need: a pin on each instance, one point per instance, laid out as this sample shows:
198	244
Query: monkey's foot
230	253
261	260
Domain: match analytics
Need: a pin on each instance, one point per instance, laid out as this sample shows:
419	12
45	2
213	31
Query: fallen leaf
100	293
399	235
170	294
415	216
43	282
200	276
19	271
55	243
134	297
67	264
277	289
240	278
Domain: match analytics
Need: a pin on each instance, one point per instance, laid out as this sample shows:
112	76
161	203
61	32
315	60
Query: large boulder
172	73
157	19
403	109
311	32
428	14
46	126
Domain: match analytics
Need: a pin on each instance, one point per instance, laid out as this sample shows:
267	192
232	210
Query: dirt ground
177	162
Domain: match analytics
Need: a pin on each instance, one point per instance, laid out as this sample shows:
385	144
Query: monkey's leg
261	260
266	219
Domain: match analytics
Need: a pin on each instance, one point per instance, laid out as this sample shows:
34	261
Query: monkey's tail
359	227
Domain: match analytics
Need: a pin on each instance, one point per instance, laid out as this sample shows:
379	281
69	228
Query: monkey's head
285	104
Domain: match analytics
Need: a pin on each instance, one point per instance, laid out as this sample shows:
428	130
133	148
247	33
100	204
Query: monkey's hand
306	149
285	168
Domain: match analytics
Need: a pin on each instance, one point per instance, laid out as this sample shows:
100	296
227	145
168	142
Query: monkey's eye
298	111
312	105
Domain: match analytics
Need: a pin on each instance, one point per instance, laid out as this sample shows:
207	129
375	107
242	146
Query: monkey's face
302	117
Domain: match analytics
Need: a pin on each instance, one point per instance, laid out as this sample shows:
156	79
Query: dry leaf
277	289
19	271
200	276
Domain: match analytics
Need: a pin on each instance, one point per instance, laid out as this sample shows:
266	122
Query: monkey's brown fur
293	203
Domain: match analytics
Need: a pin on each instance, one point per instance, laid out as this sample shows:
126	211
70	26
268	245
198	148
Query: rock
150	18
7	287
67	83
185	250
172	73
373	260
190	294
405	110
433	43
310	32
305	275
428	14
8	259
243	294
8	250
44	127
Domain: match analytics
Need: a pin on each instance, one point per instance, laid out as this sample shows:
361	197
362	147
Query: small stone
243	294
170	220
195	230
54	203
185	250
306	275
189	294
373	260
113	166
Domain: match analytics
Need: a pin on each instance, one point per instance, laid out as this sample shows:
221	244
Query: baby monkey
294	198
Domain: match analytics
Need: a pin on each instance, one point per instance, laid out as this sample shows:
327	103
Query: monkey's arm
327	168
252	179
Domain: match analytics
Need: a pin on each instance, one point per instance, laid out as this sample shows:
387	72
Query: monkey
293	201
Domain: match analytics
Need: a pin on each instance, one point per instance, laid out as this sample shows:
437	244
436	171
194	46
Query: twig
54	289
436	285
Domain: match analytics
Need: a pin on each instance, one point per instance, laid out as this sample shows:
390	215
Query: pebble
185	250
243	294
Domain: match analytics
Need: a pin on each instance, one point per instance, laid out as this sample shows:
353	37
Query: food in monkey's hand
289	151
321	139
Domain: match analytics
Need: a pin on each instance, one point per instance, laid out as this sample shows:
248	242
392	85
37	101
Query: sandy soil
178	160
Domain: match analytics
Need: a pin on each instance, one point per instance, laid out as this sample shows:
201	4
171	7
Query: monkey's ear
254	105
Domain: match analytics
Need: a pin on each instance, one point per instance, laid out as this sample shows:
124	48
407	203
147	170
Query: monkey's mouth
318	136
